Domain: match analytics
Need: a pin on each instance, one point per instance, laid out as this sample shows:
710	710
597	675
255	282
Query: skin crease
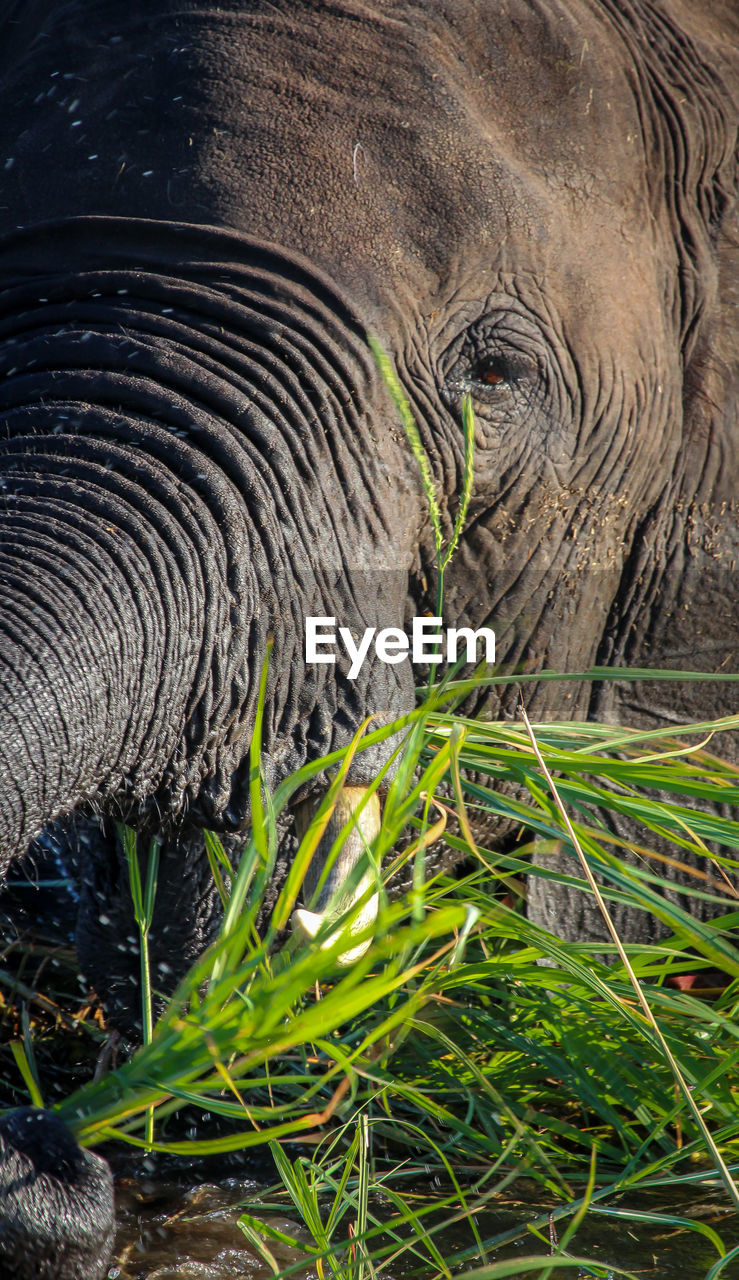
530	202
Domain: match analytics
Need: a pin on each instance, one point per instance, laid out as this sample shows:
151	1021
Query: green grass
450	1051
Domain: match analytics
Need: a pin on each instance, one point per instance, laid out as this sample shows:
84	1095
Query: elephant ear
678	604
684	54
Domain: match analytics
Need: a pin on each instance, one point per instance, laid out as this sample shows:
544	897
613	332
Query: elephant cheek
344	889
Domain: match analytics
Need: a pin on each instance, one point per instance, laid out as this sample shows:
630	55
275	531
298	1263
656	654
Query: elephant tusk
339	894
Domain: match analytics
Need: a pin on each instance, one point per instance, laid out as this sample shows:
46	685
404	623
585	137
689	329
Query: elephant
204	213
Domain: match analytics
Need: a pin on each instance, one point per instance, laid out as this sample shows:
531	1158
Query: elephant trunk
187	444
99	640
58	1217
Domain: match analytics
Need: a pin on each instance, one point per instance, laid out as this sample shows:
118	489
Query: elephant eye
491	371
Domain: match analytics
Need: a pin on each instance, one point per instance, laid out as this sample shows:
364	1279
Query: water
174	1230
167	1230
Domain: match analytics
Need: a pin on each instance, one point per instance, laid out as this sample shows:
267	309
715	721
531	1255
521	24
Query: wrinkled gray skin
203	210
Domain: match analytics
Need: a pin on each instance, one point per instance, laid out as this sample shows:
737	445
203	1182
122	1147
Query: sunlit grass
450	1050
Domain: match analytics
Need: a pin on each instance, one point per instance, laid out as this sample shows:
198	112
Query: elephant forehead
383	141
388	140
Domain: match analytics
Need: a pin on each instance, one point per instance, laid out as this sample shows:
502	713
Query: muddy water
173	1231
169	1230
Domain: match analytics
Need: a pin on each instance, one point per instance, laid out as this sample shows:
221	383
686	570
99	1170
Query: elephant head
204	213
